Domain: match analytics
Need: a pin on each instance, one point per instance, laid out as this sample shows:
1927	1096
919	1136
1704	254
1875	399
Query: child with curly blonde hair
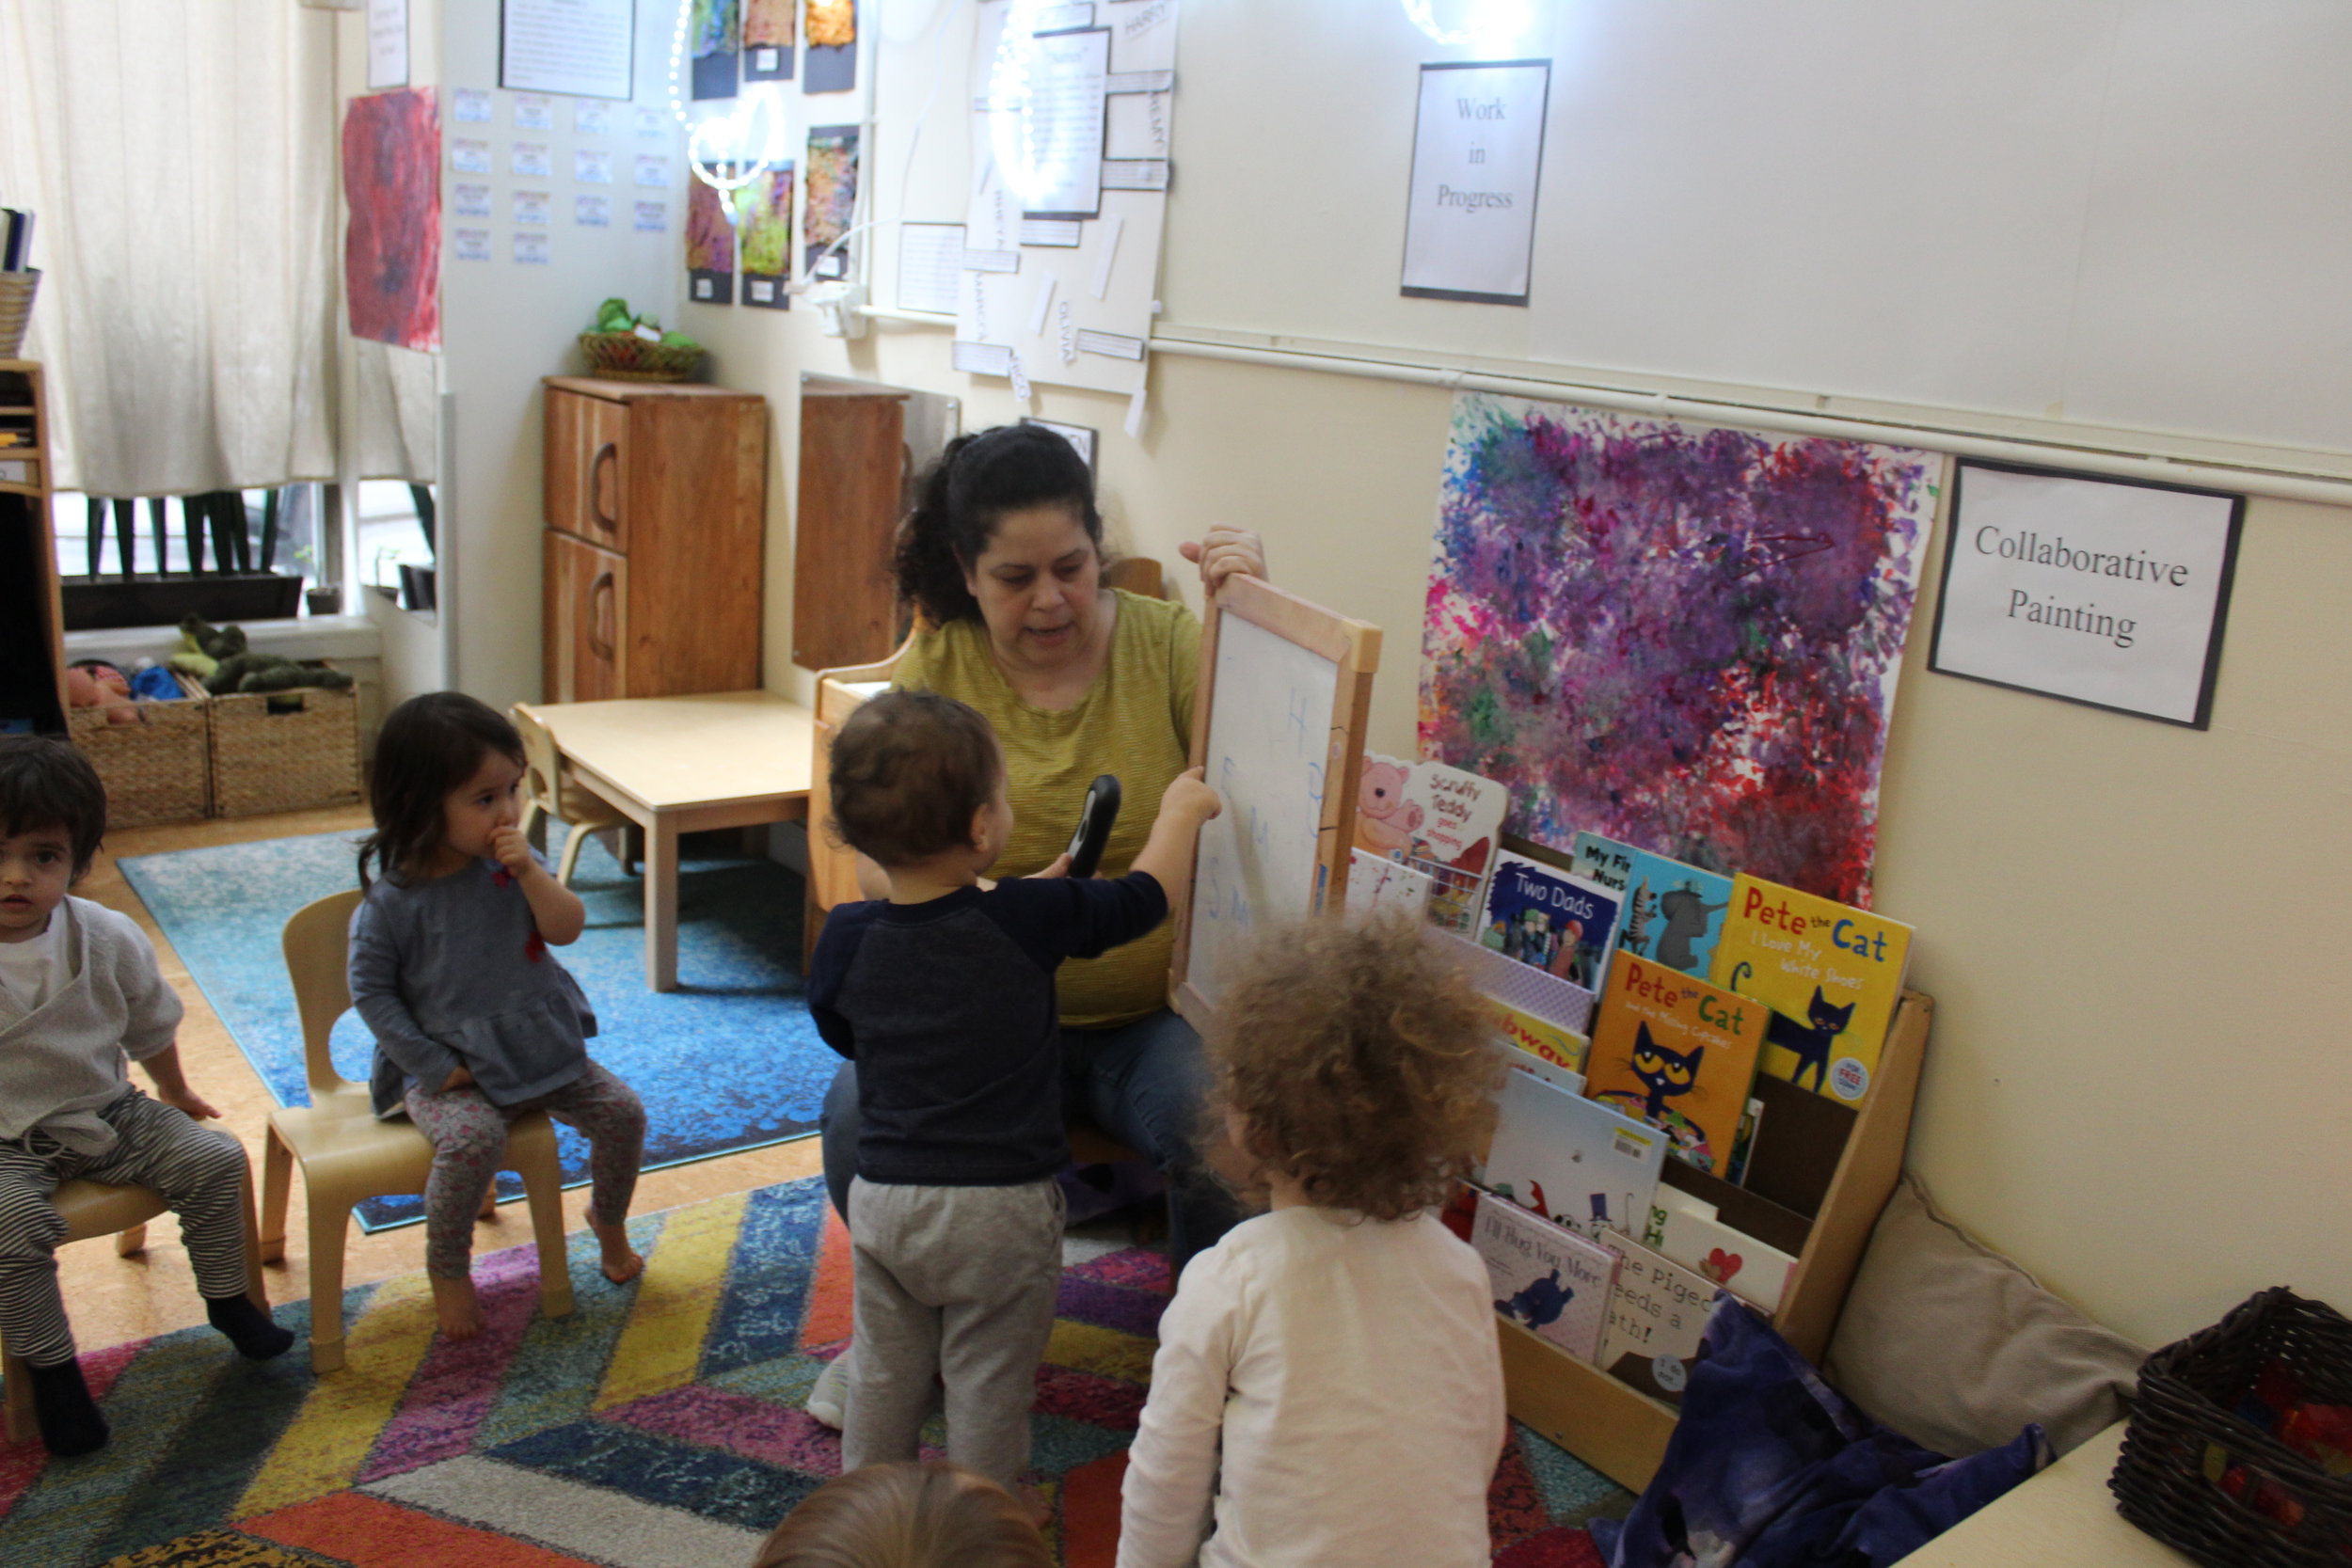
1328	1386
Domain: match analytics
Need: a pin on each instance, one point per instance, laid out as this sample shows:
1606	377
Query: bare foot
1033	1499
621	1262
490	1205
457	1306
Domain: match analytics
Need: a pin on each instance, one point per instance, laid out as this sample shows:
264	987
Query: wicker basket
285	751
16	310
155	770
625	356
2185	1437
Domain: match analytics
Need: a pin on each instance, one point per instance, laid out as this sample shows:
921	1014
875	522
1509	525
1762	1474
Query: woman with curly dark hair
1329	1386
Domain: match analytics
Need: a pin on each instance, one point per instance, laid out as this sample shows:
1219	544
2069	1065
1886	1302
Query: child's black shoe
248	1327
69	1421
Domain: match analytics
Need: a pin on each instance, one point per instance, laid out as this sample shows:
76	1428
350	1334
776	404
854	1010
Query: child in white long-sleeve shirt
1328	1386
80	996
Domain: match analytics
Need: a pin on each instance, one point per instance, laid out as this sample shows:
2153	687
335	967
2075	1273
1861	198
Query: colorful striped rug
659	1426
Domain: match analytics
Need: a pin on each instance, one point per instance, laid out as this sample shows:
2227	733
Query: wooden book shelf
1621	1431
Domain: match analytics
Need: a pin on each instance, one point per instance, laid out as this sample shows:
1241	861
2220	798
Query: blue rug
728	1061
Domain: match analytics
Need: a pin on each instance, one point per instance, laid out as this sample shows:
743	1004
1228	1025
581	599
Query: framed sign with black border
2111	593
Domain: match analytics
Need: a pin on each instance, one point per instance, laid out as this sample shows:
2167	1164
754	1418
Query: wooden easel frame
1355	647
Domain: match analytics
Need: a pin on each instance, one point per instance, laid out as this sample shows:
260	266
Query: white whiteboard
1269	738
2125	212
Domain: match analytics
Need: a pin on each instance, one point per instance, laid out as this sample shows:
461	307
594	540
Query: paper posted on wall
1072	108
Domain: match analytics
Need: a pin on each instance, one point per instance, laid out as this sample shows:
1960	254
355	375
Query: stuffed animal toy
95	683
235	668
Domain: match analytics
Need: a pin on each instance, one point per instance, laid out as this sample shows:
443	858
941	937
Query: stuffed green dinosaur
220	658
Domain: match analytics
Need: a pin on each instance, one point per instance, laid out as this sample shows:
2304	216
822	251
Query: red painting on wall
392	249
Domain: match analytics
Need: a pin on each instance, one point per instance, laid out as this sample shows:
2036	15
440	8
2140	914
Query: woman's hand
1225	551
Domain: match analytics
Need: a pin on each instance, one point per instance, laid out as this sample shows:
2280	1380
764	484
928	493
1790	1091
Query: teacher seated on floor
1002	560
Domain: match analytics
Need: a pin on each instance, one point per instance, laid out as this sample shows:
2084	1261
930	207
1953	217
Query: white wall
2135	1083
505	325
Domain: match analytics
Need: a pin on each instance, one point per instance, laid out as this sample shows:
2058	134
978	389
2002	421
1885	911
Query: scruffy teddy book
1679	1053
1437	819
1831	973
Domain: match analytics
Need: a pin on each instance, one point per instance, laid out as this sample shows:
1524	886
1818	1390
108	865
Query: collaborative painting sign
1478	150
1681	637
2106	591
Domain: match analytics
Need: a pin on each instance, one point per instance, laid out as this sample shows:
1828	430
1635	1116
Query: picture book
1438	820
1679	1053
1546	1279
1683	1229
1548	919
1831	973
1672	913
1546	1042
1657	1312
1530	990
1565	1079
1376	883
1572	1160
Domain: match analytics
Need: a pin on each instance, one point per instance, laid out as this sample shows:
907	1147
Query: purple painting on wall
392	249
1681	637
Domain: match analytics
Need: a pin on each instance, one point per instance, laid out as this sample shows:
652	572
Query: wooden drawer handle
596	488
599	601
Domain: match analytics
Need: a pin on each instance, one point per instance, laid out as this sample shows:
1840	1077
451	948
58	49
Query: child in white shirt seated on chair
1328	1386
80	994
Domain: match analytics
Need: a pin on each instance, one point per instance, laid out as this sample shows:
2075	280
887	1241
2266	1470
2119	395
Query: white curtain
180	157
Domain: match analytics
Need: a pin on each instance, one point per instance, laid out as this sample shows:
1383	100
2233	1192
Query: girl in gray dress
475	1022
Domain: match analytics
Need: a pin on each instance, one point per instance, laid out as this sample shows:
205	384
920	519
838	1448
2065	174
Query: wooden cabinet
853	479
656	516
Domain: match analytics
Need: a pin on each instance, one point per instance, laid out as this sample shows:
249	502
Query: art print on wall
832	29
710	242
768	26
832	181
1677	636
714	34
392	248
763	211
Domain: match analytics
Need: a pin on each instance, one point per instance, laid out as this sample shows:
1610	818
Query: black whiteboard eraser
1094	825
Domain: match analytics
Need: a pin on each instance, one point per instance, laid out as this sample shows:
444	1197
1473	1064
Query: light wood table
2065	1515
682	764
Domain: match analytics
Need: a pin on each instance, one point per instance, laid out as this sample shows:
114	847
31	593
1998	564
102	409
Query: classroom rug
660	1423
728	1061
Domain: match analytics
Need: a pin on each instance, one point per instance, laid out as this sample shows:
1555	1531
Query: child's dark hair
977	480
909	770
906	1516
428	746
49	783
1356	1058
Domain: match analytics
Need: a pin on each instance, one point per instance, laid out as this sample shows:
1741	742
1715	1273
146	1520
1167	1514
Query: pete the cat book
1677	1053
1672	912
1548	919
1831	973
1546	1279
1572	1160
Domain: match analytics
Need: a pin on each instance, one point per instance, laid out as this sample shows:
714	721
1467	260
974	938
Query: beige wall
2136	1084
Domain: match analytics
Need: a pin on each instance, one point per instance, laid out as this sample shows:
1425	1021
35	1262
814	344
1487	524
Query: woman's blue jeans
1141	1083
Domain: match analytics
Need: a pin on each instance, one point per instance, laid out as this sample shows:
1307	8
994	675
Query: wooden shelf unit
32	610
1621	1431
656	500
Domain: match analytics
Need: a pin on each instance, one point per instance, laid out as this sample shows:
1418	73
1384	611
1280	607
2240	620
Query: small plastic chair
92	1208
348	1154
553	790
